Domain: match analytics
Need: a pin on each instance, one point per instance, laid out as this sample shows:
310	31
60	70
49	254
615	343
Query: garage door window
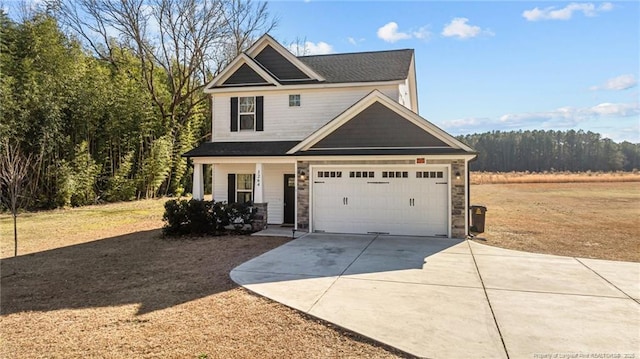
362	174
395	174
429	174
329	174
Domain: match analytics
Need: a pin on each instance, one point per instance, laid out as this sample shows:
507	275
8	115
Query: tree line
540	150
104	96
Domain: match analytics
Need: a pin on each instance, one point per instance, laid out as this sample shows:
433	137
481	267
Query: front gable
279	66
377	126
243	71
245	75
281	62
378	122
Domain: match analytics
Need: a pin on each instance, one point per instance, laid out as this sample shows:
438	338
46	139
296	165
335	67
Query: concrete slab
542	325
624	275
279	231
381	287
294	290
542	274
334	240
424	246
440	268
487	250
425	320
310	255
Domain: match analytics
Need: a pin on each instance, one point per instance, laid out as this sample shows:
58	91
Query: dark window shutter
231	188
259	113
234	114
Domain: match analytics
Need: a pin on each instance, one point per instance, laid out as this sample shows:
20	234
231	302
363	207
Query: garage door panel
395	200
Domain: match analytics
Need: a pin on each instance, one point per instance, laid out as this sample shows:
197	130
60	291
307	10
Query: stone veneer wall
457	190
457	196
259	221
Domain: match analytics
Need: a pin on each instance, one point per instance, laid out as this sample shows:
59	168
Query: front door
289	198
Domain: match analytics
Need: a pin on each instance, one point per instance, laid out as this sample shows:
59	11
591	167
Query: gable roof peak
266	40
378	97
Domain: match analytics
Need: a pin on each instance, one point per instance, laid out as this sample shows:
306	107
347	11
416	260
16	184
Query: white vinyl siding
284	123
273	185
220	173
274	190
404	98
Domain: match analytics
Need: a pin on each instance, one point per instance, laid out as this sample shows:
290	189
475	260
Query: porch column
198	182
258	191
213	182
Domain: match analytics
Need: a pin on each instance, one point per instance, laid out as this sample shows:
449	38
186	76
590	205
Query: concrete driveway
444	298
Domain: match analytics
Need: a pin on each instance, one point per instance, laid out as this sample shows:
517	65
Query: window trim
240	114
238	190
295	100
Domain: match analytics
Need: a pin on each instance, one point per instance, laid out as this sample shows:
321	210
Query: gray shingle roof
361	66
223	149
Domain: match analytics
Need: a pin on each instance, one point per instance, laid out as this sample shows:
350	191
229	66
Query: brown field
592	220
100	281
552	177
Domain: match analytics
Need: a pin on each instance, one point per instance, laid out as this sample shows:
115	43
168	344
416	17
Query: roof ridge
356	53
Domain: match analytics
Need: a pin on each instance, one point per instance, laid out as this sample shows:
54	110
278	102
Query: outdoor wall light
458	175
303	176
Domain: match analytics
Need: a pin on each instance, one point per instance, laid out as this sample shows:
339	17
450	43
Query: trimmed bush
197	217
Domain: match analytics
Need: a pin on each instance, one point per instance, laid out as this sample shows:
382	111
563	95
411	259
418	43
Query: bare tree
15	168
179	44
188	39
298	46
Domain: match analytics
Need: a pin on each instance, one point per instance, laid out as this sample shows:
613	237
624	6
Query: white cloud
353	41
390	33
565	13
622	82
565	116
423	33
614	110
458	27
311	48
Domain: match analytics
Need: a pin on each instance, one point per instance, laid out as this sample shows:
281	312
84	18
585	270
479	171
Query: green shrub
197	217
175	217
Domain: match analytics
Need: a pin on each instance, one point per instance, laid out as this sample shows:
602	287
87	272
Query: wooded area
539	150
103	98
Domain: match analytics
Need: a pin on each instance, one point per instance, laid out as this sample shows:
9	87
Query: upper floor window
294	100
247	113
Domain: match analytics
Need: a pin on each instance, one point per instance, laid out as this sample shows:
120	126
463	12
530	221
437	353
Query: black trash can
477	218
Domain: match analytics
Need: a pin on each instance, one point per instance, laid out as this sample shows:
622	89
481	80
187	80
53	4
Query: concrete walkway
444	298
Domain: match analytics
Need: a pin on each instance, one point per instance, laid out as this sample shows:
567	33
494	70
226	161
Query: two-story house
333	143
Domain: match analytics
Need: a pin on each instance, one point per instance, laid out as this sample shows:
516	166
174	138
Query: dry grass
552	177
88	289
39	231
593	220
100	282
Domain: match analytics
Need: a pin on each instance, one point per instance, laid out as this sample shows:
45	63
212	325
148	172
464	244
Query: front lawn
100	281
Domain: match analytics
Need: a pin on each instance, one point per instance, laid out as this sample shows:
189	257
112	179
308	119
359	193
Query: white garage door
394	200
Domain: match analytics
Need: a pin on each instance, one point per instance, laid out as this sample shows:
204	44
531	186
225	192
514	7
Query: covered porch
271	181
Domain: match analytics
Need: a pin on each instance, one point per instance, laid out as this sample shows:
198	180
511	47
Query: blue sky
484	66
